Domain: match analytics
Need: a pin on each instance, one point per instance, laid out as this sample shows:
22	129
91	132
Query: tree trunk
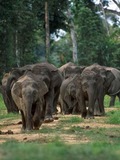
73	37
16	49
105	19
47	29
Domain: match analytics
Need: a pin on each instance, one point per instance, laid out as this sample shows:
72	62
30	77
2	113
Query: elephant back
50	66
63	67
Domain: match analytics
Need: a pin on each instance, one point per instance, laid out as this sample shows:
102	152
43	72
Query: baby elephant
28	94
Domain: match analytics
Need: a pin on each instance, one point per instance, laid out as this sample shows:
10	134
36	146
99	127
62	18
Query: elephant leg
5	98
101	105
76	109
55	102
112	101
69	104
63	106
23	120
97	109
83	110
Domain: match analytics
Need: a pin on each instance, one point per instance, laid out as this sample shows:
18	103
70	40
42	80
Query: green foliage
91	35
61	51
22	31
94	44
20	26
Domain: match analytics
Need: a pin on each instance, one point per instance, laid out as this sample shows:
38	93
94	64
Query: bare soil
11	130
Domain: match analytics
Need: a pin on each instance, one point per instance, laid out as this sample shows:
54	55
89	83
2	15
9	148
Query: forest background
32	31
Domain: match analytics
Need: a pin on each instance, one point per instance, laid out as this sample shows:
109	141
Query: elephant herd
36	90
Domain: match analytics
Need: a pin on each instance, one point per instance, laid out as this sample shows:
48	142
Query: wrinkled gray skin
28	94
112	80
68	99
53	78
13	76
50	75
114	88
63	67
92	91
10	108
72	70
78	90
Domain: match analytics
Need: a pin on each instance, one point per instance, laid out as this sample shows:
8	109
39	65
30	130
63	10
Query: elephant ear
17	89
110	75
43	89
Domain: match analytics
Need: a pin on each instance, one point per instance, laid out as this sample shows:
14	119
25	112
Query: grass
91	142
72	120
58	150
107	101
113	117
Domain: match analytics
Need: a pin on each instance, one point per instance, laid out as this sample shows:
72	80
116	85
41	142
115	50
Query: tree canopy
22	32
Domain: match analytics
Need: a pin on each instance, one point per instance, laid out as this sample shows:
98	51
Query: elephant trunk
91	102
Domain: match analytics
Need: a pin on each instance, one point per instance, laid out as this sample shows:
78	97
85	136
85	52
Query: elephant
111	78
82	89
63	67
10	108
28	94
114	89
92	90
68	101
7	82
50	75
72	70
53	78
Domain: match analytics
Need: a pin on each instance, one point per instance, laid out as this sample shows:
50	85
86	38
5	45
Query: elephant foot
55	112
89	117
55	118
97	113
22	130
26	130
48	119
36	128
84	114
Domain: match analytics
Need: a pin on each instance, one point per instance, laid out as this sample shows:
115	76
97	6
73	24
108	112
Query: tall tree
73	36
47	29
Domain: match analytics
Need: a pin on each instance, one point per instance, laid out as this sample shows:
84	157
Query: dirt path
11	130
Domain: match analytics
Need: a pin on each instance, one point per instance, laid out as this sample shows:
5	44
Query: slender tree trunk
47	30
16	49
106	24
73	37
